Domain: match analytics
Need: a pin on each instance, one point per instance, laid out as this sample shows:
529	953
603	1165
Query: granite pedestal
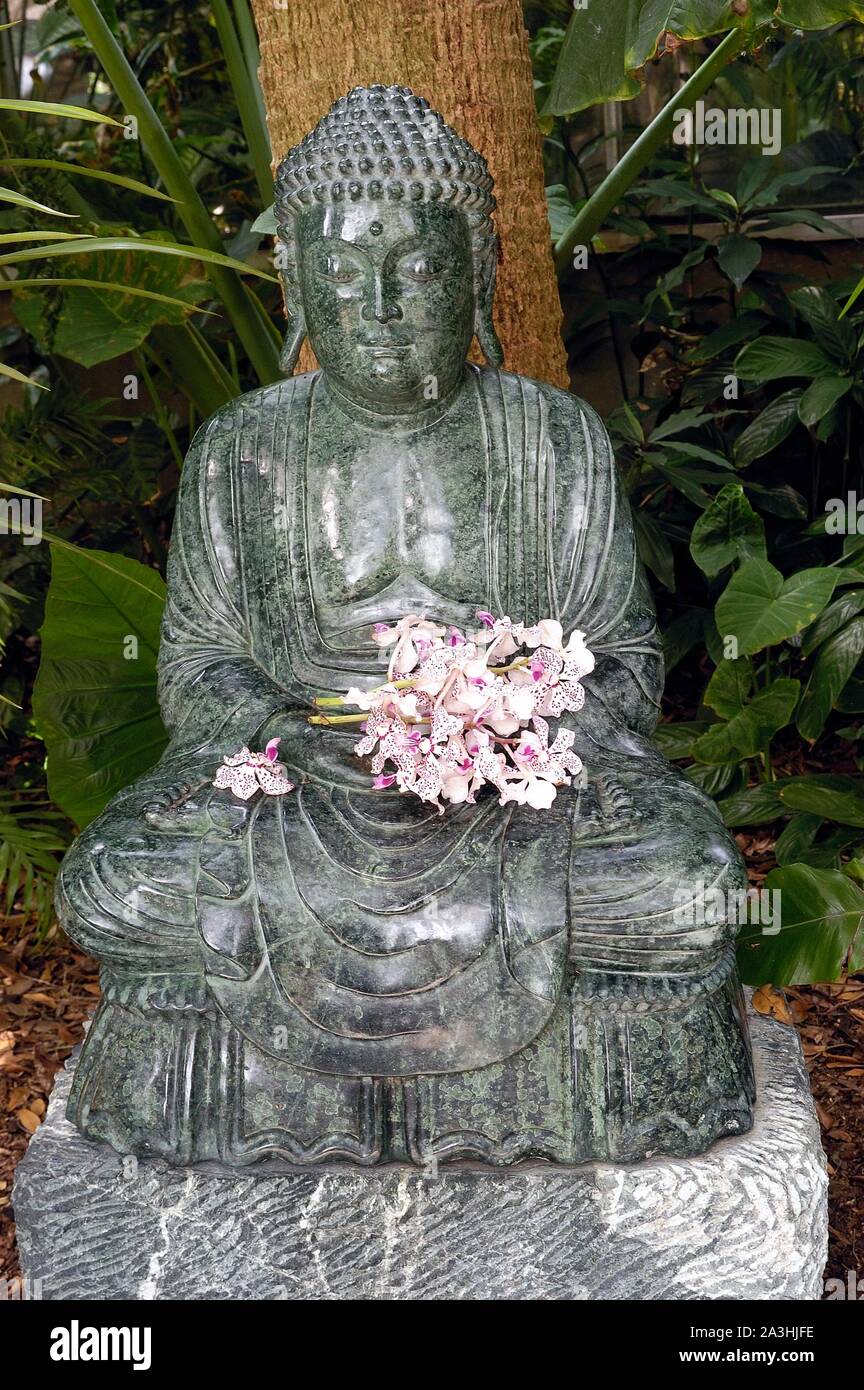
747	1219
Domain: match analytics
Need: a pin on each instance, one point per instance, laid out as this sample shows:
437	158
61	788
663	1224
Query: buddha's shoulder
254	407
562	409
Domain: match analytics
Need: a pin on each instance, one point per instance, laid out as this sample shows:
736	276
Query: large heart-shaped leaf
729	687
603	56
759	608
92	325
748	731
820	914
819	14
727	530
738	257
95	694
831	670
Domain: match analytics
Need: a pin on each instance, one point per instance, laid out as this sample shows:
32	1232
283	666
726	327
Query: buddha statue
343	973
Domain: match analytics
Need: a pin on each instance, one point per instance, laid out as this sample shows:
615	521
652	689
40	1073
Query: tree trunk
469	58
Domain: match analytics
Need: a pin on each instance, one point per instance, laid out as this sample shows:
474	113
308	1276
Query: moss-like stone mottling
343	973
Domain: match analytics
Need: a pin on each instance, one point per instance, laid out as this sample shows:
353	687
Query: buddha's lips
385	349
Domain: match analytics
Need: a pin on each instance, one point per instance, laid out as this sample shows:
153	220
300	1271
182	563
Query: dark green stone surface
342	973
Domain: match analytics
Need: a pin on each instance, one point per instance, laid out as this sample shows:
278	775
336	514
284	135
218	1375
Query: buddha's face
388	295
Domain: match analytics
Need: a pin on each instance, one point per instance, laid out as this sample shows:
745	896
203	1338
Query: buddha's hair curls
383	142
387	143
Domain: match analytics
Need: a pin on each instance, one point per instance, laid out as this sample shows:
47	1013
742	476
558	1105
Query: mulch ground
47	991
830	1020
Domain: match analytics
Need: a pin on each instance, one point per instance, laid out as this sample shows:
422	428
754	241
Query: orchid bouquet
452	719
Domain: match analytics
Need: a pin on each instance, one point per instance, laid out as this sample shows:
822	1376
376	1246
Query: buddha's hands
180	808
318	752
185	992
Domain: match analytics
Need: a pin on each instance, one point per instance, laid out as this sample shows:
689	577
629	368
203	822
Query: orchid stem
350	719
332	701
336	718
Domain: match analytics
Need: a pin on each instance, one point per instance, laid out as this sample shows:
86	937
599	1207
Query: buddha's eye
338	268
421	267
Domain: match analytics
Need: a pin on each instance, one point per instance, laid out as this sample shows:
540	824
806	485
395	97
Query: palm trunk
470	60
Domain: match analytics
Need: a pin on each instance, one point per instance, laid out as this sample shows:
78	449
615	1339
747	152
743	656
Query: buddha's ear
485	265
296	328
293	341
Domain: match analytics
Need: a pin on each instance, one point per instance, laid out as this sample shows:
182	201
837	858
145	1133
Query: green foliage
154	289
94	323
32	836
606	62
95	695
822	914
727	530
739	452
759	608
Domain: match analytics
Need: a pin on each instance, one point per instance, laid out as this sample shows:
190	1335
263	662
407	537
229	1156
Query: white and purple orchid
450	720
246	773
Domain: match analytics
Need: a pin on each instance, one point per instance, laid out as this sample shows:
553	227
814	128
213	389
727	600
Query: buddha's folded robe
357	932
242	638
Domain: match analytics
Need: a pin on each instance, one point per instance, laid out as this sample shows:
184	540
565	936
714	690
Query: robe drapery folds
356	932
240	636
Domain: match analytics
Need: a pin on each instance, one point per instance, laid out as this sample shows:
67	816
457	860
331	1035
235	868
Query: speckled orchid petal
384	780
443	725
428	783
578	660
237	759
244	783
523	701
246	773
547	633
273	780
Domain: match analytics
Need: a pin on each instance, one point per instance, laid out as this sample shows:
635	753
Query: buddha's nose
382	313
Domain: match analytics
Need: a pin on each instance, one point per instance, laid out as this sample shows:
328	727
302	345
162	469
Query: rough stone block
747	1219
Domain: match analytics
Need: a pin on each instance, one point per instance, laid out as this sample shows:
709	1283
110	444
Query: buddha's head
389	252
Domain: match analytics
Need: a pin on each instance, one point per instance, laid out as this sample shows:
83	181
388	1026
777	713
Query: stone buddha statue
342	973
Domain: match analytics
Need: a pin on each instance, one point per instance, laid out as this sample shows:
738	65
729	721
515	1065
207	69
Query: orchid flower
246	773
449	721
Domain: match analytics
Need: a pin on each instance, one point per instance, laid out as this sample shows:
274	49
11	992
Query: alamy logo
844	516
77	1343
734	126
711	906
21	516
852	1289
